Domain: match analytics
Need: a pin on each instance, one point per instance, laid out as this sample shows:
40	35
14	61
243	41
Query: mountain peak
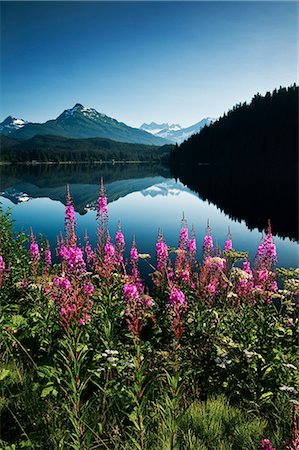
11	124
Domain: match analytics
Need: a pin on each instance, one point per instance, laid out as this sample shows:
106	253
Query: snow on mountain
82	122
11	124
175	133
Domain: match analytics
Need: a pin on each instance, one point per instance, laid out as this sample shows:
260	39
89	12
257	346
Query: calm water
142	198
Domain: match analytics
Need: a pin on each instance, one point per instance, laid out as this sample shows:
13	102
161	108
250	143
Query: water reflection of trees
245	193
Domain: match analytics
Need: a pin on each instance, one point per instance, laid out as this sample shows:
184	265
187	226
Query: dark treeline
252	156
59	149
264	131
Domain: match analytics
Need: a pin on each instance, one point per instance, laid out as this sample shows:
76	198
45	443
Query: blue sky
143	61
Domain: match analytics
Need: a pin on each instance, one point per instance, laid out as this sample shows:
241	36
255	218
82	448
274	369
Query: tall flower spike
119	244
228	242
161	252
266	255
183	244
102	216
48	256
208	242
177	305
88	250
34	249
70	220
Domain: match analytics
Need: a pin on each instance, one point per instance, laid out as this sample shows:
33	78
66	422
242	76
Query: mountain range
175	133
81	122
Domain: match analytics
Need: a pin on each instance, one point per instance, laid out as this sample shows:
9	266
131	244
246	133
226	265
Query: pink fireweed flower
192	246
161	253
109	255
70	221
208	243
246	267
176	298
228	242
185	276
73	258
102	216
184	236
137	308
34	252
228	245
2	265
34	249
88	289
211	289
266	445
119	244
102	202
48	256
2	270
134	253
131	293
266	256
177	305
88	250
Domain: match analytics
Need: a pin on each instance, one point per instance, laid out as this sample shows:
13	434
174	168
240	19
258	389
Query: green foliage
217	424
226	384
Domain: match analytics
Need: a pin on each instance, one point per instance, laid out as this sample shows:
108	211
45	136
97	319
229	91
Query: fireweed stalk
162	261
34	254
265	260
177	305
119	245
208	243
138	308
2	270
182	266
135	275
72	292
102	217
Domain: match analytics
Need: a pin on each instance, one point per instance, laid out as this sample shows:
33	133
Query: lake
142	197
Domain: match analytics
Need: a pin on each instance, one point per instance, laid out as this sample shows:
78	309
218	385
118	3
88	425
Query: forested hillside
59	149
262	132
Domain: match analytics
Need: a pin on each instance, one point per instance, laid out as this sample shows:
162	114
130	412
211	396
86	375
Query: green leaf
46	391
266	395
4	373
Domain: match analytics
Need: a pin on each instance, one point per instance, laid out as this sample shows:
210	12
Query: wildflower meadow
92	358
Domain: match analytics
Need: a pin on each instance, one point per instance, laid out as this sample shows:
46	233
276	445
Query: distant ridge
80	122
175	133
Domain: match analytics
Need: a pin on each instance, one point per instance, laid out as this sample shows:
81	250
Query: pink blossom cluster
162	255
73	300
2	265
119	244
88	250
208	245
48	256
73	257
266	256
137	308
34	252
134	253
177	305
266	445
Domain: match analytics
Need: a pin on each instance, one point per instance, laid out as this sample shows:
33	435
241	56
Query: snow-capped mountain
156	128
175	133
11	124
81	122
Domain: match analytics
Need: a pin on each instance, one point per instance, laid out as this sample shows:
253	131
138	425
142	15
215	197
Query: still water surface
142	198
